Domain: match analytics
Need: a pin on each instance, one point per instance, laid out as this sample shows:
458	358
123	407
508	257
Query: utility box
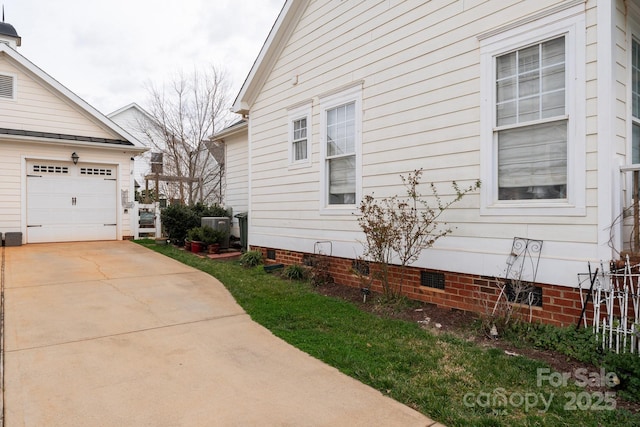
221	223
13	238
243	223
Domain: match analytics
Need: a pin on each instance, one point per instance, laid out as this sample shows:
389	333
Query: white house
65	168
135	120
235	193
538	99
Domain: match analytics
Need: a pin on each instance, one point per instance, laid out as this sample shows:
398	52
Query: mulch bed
459	323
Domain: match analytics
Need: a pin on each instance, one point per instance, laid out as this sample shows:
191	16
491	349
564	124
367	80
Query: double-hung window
531	122
341	139
533	147
300	134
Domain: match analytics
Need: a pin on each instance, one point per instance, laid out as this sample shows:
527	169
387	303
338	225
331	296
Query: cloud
106	50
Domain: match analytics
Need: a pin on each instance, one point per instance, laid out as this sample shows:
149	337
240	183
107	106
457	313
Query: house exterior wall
15	154
136	123
37	109
418	67
236	192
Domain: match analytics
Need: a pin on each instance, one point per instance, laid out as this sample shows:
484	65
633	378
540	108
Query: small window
7	86
300	135
299	149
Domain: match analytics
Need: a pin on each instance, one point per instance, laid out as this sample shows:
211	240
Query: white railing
615	311
146	220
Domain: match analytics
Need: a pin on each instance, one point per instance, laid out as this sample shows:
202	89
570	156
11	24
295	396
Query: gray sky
106	50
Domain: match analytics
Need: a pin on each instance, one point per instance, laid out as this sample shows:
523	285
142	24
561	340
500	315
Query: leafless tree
185	113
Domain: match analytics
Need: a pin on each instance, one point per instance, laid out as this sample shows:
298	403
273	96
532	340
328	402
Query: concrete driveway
113	334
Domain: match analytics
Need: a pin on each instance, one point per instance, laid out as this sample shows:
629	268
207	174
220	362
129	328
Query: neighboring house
235	185
135	120
64	166
538	99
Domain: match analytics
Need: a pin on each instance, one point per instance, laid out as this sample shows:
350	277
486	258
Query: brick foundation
561	305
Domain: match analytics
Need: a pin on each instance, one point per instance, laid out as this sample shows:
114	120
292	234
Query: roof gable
282	29
45	107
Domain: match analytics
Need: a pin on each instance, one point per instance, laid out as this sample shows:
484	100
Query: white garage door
68	203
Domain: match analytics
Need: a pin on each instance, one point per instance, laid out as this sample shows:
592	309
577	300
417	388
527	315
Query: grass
448	379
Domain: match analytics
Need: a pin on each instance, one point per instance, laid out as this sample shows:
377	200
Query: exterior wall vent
432	280
7	86
526	294
271	254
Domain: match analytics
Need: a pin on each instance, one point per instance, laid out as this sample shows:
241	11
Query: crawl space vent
271	254
432	280
531	295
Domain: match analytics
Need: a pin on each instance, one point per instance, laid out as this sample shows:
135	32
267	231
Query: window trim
634	30
570	23
294	114
14	94
328	102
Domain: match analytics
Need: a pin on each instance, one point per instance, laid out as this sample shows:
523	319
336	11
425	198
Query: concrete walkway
113	334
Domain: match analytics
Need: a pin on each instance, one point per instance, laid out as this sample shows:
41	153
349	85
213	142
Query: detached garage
65	168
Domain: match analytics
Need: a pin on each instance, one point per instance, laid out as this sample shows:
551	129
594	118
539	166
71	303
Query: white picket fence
146	220
615	314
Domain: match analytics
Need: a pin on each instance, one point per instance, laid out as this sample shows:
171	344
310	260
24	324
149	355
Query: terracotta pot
214	248
187	245
196	246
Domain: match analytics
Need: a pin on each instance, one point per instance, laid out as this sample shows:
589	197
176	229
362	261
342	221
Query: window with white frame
300	134
533	143
299	148
341	138
635	101
531	122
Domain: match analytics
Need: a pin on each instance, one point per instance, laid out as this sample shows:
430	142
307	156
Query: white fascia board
233	130
57	86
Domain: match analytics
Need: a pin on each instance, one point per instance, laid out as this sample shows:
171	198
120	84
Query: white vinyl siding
418	66
37	108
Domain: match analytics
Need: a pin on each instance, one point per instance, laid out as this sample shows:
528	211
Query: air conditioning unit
222	223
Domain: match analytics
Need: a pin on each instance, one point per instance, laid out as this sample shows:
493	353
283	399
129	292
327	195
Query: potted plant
213	238
195	235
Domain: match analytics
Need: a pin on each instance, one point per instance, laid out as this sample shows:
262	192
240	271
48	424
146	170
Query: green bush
251	258
627	367
579	344
201	210
195	234
211	235
295	272
177	219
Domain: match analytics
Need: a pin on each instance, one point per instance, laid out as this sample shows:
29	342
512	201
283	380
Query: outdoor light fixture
75	158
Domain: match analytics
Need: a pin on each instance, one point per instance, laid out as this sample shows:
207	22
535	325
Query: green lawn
448	379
